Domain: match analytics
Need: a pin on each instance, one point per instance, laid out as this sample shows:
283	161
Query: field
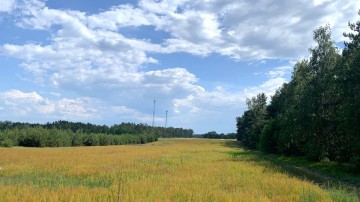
167	170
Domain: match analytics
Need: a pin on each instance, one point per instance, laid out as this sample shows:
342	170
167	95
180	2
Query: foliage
252	122
42	137
215	135
349	81
7	142
116	129
317	114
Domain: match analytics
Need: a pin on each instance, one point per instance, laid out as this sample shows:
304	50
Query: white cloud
121	16
275	74
125	113
19	105
18	96
7	5
279	72
90	55
76	107
238	29
221	100
247	30
24	104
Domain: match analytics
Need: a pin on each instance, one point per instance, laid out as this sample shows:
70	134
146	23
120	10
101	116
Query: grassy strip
328	169
54	181
339	184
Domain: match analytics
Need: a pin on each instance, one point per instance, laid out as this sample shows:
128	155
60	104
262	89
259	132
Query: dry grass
168	170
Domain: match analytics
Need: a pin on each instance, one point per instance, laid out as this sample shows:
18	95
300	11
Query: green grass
55	181
328	168
329	175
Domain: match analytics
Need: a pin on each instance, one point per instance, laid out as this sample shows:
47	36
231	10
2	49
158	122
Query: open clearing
167	170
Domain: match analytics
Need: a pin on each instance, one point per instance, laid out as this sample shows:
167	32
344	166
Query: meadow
167	170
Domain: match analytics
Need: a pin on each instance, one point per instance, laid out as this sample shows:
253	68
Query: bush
77	139
6	143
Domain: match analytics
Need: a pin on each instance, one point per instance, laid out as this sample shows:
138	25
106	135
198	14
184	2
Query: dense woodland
316	114
215	135
65	133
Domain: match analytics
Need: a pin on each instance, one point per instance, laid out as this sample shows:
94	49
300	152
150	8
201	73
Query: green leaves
317	114
41	137
251	123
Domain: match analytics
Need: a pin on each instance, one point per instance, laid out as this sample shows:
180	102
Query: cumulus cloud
247	30
238	29
20	104
121	16
18	96
223	100
90	54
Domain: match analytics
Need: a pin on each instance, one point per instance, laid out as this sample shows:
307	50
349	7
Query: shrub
6	143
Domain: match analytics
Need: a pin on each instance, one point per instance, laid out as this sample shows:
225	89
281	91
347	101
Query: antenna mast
166	118
153	121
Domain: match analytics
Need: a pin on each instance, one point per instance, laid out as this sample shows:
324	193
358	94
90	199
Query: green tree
250	125
349	80
320	97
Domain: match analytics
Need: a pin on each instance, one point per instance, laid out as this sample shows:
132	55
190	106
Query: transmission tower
153	121
166	118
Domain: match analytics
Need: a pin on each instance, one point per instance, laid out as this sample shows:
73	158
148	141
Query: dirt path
317	177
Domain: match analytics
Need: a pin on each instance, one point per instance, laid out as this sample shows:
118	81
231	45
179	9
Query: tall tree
349	80
322	96
252	122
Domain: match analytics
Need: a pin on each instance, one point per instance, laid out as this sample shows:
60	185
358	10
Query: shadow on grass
275	164
232	144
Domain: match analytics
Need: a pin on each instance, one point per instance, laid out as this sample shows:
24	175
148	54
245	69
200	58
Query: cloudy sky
105	62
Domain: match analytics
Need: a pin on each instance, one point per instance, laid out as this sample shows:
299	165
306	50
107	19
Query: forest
65	133
215	135
316	114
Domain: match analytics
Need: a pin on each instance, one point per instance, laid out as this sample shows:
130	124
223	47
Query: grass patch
54	181
334	170
331	169
329	175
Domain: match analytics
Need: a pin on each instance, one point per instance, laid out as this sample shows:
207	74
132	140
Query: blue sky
105	62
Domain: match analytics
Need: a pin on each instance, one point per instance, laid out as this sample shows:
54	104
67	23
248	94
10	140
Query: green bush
6	143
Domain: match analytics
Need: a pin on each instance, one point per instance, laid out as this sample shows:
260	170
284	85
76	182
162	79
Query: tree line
116	129
316	114
65	133
215	135
41	137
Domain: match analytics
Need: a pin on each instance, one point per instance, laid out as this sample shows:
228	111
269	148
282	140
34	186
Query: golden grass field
167	170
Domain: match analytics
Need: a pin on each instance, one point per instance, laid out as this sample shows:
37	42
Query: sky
105	62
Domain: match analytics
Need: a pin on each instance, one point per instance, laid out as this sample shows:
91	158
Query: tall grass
168	170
